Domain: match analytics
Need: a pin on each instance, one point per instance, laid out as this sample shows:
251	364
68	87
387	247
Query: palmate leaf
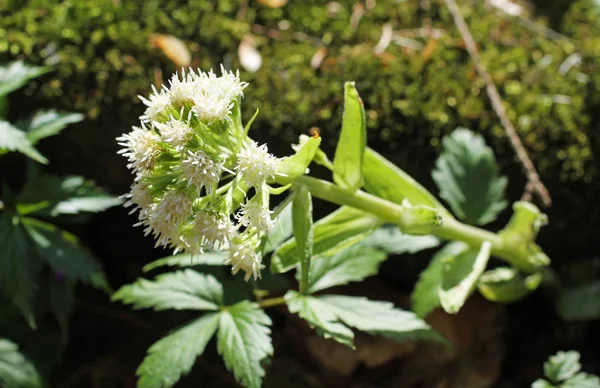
562	366
17	74
48	195
350	149
13	139
244	341
47	123
15	370
179	290
333	315
175	354
467	177
340	229
61	250
352	264
19	265
320	317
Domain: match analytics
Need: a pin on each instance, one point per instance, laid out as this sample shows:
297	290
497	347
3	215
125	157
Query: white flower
210	231
254	214
138	196
156	104
200	170
175	132
142	147
213	96
181	89
244	256
256	164
164	218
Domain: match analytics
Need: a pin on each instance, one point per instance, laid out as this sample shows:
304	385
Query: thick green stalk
450	228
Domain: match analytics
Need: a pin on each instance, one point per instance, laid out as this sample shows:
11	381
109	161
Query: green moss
413	97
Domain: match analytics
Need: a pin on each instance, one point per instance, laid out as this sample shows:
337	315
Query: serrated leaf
391	240
580	302
19	265
562	366
13	139
296	165
320	317
181	290
539	383
350	149
340	229
53	196
582	380
467	177
61	250
376	317
15	370
17	74
47	123
352	264
174	355
460	275
385	180
425	297
244	341
187	260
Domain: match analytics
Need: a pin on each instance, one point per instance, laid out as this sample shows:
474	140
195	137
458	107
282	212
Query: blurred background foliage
421	87
418	88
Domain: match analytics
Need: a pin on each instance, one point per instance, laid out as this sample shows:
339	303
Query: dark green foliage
106	60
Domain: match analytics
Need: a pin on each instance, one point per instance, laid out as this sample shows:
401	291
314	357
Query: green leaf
47	123
331	315
394	242
506	285
460	275
539	383
61	250
342	228
580	302
13	139
425	297
181	290
187	260
467	177
244	341
350	150
302	224
320	317
562	366
582	380
15	370
387	181
16	74
53	196
19	265
174	356
352	264
296	165
282	229
379	318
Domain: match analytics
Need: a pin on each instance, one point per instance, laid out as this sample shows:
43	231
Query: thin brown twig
534	184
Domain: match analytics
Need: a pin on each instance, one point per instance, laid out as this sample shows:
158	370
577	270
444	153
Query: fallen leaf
273	3
250	58
317	58
173	48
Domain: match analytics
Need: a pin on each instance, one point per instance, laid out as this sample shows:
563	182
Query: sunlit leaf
17	74
15	370
47	123
13	139
467	177
187	260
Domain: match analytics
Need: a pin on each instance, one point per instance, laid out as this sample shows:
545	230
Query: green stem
270	302
387	211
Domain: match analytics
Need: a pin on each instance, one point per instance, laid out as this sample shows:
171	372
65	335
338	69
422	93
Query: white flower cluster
190	159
